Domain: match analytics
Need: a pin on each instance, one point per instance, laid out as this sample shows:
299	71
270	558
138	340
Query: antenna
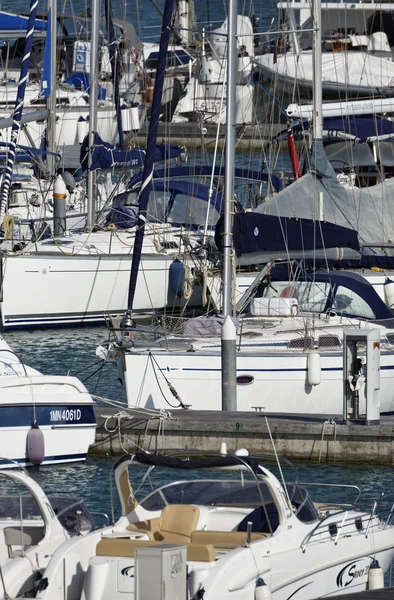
279	467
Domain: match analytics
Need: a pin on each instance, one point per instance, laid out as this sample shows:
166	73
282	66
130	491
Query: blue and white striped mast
150	150
16	119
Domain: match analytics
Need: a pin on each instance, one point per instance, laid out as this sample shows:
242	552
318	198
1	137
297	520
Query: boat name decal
352	571
72	414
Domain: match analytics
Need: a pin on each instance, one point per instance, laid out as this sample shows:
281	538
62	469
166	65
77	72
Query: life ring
147	89
288	292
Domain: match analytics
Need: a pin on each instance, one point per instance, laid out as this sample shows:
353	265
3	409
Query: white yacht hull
68	132
60	406
278	381
65	290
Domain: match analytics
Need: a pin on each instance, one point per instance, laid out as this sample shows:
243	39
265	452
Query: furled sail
106	156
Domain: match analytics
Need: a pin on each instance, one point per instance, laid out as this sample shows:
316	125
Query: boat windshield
319	296
228	493
208	492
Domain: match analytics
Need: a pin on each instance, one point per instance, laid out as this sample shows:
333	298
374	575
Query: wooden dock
325	439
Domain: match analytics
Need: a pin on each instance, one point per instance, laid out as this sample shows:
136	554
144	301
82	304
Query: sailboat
290	334
96	264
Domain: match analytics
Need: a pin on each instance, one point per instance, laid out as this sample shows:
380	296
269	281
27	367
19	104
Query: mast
229	369
16	122
143	197
93	75
115	61
51	99
317	71
229	157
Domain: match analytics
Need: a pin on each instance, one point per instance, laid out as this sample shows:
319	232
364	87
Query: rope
162	416
170	386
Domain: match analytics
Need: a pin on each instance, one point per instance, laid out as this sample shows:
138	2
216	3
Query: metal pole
229	363
93	109
317	71
229	157
51	101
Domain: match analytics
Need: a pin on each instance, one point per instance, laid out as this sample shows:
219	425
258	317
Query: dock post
229	365
59	207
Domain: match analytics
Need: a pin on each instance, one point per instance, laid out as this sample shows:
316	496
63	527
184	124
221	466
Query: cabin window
158	206
189	210
347	301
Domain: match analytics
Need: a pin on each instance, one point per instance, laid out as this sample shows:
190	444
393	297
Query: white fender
389	292
314	368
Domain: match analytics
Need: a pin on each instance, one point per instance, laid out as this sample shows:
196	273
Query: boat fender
389	292
375	576
135	117
82	129
35	445
177	276
314	368
262	591
125	113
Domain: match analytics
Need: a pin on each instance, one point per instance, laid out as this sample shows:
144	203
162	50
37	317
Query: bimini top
206	171
189	463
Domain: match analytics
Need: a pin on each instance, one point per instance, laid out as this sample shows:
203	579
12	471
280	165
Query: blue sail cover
256	233
10	22
106	156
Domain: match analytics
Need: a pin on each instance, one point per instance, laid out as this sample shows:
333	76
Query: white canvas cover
218	37
350	68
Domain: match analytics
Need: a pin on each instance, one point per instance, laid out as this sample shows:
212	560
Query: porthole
245	379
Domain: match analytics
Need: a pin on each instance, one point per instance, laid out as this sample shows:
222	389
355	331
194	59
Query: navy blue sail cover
254	232
106	156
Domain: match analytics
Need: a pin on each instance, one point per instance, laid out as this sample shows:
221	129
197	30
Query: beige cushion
224	539
150	527
178	521
175	525
125	547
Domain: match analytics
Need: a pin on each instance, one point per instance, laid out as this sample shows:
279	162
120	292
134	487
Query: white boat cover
349	68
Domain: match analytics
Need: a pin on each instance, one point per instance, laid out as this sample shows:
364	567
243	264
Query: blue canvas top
206	171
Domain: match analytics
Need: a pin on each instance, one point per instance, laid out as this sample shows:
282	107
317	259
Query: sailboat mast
93	84
229	157
51	101
147	176
317	71
229	334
